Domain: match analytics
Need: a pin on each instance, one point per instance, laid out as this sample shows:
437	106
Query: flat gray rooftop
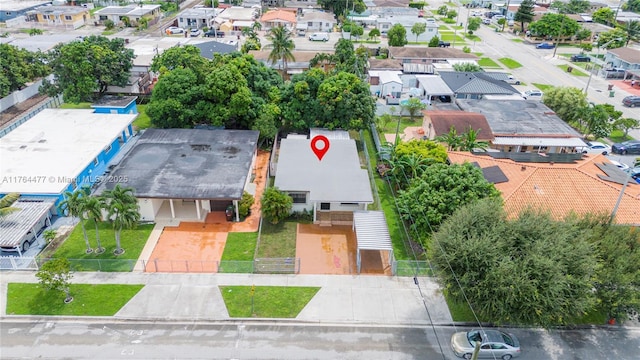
188	164
509	117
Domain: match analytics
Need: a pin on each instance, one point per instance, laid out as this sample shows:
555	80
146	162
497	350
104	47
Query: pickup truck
443	43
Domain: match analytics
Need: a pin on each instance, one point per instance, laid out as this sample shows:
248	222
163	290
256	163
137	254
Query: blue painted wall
12	14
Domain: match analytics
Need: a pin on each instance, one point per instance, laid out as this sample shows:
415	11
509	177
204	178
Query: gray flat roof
337	178
188	164
510	117
16	225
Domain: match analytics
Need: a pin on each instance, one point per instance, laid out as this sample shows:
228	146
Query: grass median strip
510	63
88	299
268	301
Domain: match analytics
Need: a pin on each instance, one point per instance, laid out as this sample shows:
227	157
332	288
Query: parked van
322	36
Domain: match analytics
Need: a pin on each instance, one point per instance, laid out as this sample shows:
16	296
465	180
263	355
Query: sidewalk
341	299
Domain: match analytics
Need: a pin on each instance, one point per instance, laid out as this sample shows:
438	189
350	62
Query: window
325	206
67	17
310	24
385	26
498	346
107	149
485	347
96	161
298	198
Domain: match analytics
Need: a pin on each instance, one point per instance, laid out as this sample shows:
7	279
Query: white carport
372	233
433	85
20	228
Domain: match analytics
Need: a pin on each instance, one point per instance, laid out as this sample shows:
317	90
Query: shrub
466	49
244	207
276	205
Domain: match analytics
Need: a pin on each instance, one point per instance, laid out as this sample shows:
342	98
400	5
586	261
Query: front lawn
618	136
449	37
88	299
405	122
510	63
543	87
268	301
132	241
488	63
277	241
238	253
574	70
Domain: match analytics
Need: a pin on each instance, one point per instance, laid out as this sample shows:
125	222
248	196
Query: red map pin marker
320	150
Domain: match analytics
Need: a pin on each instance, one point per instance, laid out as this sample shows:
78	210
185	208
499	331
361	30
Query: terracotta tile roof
560	188
632	56
443	120
283	15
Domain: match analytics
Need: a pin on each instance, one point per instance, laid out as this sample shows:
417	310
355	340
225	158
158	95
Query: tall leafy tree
342	7
301	107
567	102
413	106
73	205
571	7
84	69
418	29
626	124
530	269
525	13
6	204
18	67
181	57
473	24
54	275
604	15
555	25
281	46
614	39
631	5
122	208
347	102
178	100
93	207
439	192
397	35
374	33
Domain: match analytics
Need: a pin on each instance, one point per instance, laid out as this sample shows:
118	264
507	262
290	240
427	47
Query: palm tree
93	206
281	46
452	139
122	207
122	215
632	28
6	202
470	141
72	205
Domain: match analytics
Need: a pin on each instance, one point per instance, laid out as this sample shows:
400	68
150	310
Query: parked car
580	58
174	30
444	44
321	36
195	32
512	80
545	45
533	95
444	98
594	147
615	73
486	21
627	147
635	174
494	344
620	165
214	33
631	101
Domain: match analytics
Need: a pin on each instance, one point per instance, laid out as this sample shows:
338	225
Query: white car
174	30
620	165
486	21
533	95
512	80
195	32
594	147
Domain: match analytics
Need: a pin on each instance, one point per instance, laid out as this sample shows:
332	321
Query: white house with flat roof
331	188
383	83
61	150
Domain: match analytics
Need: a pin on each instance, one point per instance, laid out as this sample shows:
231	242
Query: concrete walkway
341	299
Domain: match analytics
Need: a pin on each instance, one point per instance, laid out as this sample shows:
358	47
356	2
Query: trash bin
229	213
569	69
610	87
612	93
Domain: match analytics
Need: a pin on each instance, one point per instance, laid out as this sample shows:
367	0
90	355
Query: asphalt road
57	339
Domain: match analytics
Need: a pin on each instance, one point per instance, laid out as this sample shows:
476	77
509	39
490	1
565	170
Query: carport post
173	211
198	209
235	205
358	259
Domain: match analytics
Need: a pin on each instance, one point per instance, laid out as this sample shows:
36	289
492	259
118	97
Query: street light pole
586	88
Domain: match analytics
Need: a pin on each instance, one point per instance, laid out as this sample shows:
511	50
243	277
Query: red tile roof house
439	123
591	185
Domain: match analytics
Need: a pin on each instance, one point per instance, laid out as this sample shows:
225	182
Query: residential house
387	22
75	16
235	18
521	126
132	13
185	174
439	123
115	104
317	20
61	150
13	9
209	48
275	18
432	86
385	83
300	63
588	185
197	18
476	85
430	55
384	64
331	188
626	58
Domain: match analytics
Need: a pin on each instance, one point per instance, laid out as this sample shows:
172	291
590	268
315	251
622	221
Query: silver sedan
494	344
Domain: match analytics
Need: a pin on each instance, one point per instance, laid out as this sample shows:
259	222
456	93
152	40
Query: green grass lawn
88	299
132	241
142	121
388	206
449	37
510	63
488	63
405	122
517	40
238	253
277	241
82	105
618	136
574	72
472	37
443	27
543	87
268	301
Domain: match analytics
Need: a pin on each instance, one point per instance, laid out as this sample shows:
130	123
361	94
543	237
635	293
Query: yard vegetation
510	63
277	241
268	301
